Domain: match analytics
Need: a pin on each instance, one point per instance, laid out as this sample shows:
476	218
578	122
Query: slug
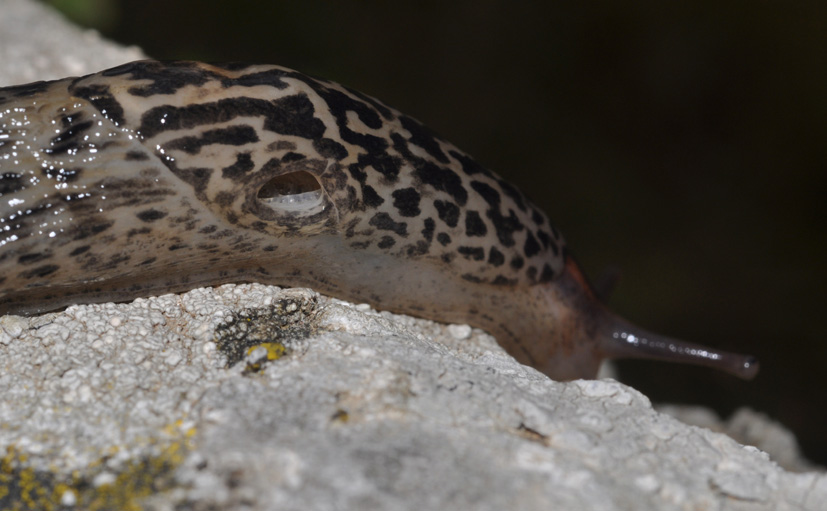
153	177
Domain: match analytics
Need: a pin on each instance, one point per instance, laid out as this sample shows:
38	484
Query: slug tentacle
576	313
621	339
158	177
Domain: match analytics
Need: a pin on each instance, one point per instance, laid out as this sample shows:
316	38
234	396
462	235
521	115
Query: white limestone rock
37	43
354	409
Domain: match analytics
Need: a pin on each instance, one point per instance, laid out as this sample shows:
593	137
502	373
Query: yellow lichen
275	350
25	489
340	416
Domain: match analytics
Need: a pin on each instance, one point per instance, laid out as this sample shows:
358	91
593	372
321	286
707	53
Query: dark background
683	143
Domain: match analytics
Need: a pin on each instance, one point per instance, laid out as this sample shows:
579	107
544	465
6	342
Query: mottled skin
150	178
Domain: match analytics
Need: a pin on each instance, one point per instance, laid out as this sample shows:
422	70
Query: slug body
151	178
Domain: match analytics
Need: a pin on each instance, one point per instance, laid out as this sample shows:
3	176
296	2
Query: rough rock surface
252	397
36	43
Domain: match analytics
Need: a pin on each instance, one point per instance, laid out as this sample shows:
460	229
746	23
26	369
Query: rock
751	428
36	43
253	397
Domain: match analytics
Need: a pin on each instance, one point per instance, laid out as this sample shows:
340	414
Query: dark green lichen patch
262	335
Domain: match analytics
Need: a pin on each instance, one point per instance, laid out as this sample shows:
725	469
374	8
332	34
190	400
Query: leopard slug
154	177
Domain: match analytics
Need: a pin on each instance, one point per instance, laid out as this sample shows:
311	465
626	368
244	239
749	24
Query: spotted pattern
72	148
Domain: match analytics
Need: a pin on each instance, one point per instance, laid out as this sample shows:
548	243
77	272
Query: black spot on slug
474	226
271	77
383	221
469	165
545	239
531	247
137	232
379	107
358	173
291	156
513	193
40	271
284	145
33	258
385	164
197	177
370	198
537	217
340	104
151	215
448	212
29	89
505	226
547	275
11	182
290	115
136	156
61	175
232	135
495	257
350	227
386	242
329	148
85	230
69	139
79	250
243	164
471	278
443	238
101	98
164	78
428	230
406	200
417	249
488	193
423	137
442	179
501	280
474	253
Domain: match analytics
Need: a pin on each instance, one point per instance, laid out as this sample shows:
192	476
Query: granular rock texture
328	405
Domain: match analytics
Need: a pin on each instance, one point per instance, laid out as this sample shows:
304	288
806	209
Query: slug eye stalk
621	339
615	337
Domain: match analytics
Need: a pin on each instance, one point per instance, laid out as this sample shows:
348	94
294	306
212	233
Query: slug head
585	332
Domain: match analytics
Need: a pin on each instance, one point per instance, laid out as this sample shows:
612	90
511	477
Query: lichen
23	488
271	351
276	328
